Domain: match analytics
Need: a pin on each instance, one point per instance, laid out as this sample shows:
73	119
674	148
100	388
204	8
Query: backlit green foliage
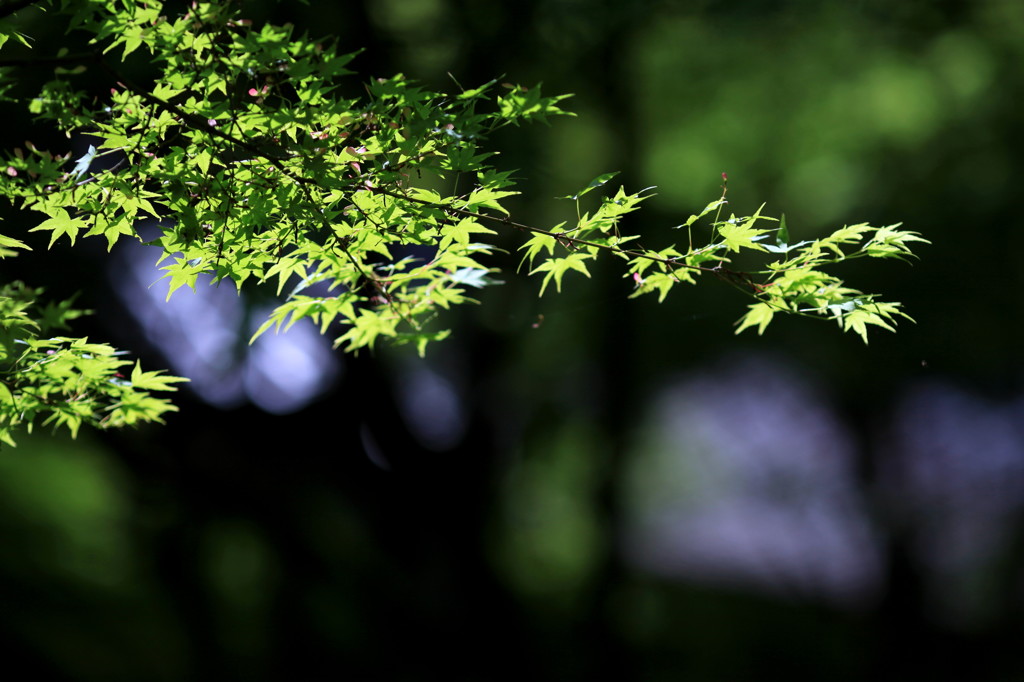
368	205
66	381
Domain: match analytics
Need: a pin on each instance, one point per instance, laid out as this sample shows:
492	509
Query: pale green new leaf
8	244
555	268
707	209
889	242
599	181
366	329
461	231
656	281
878	314
848	234
759	314
740	233
537	243
61	223
153	381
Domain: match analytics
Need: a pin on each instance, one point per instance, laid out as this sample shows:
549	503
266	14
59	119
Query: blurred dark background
582	486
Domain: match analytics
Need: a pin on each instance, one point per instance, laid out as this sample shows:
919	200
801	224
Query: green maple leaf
61	223
557	267
460	233
759	314
153	381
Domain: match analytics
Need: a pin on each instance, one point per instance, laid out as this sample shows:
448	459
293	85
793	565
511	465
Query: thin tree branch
732	277
560	236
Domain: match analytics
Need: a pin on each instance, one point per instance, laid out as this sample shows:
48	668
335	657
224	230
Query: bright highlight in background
204	335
